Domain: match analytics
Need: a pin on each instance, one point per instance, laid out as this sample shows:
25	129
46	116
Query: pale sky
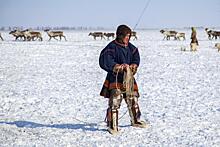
110	13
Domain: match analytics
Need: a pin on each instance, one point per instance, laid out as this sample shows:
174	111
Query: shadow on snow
29	124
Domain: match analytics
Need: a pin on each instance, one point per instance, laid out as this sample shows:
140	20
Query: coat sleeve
135	56
107	59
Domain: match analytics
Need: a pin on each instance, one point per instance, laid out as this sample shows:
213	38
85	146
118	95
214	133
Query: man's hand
125	67
120	68
134	68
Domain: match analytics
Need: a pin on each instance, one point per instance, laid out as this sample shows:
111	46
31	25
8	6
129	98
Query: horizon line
4	28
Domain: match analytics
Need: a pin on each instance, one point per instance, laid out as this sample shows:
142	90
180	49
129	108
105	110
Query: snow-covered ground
49	93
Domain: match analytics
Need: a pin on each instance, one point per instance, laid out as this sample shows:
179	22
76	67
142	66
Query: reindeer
209	33
217	45
212	34
180	35
97	34
54	34
27	35
215	34
1	37
168	34
36	35
109	35
134	34
17	34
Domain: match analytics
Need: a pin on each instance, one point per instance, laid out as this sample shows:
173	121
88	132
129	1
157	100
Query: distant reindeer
97	34
109	35
212	34
180	35
54	34
36	35
209	33
134	34
217	45
168	34
216	34
17	34
27	35
1	37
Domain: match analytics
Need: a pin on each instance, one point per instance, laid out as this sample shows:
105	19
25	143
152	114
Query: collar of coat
121	44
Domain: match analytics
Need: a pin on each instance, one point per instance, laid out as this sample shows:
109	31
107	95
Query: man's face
126	39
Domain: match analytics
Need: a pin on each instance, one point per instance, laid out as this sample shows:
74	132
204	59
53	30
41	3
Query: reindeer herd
102	35
28	35
167	35
174	34
177	35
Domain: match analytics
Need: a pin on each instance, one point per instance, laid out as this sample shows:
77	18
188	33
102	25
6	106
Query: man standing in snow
194	42
119	58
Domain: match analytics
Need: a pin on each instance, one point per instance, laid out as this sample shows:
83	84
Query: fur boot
112	121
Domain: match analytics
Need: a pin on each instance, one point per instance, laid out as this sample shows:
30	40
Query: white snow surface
49	93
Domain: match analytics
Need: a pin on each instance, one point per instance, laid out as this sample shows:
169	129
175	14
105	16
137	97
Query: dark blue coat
116	53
